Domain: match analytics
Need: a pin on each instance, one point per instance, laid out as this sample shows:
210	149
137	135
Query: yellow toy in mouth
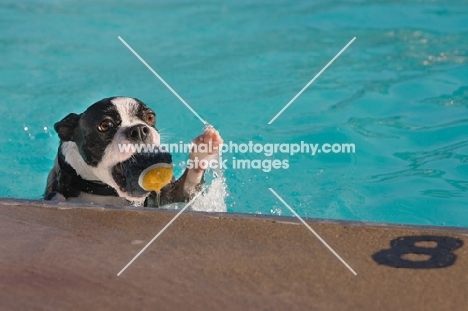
155	177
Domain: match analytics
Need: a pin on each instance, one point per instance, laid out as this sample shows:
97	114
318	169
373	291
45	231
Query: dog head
95	143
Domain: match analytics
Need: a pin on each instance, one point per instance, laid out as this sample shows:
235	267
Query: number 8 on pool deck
440	256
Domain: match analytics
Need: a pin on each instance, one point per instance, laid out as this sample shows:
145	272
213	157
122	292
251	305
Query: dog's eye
150	118
105	125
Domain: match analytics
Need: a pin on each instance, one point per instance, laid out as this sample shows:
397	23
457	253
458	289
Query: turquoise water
399	93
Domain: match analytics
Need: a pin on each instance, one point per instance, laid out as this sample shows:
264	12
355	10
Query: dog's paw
206	146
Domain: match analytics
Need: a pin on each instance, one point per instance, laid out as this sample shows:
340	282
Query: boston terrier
88	166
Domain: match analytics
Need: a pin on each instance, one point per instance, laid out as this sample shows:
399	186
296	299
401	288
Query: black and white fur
89	154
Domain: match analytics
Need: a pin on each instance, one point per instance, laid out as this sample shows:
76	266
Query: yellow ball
155	177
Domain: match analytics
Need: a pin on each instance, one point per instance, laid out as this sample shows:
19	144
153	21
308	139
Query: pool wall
67	256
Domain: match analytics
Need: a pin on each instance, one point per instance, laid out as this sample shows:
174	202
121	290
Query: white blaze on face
127	108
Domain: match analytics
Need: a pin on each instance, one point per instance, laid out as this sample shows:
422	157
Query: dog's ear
67	126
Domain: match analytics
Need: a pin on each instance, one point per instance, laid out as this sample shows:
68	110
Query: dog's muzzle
144	172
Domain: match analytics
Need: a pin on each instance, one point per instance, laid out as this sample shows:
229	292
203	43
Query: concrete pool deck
66	257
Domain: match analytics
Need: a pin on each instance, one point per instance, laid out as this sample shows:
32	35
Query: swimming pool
399	93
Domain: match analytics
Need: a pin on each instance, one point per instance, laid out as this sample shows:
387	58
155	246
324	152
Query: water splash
213	200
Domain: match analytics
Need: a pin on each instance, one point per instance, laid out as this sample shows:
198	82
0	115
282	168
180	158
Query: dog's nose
138	132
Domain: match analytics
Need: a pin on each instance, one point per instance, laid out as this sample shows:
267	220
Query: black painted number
403	248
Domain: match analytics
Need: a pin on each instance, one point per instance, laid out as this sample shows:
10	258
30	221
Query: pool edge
228	215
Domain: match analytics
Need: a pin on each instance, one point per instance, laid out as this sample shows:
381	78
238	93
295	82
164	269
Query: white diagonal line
160	232
312	230
162	80
311	81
